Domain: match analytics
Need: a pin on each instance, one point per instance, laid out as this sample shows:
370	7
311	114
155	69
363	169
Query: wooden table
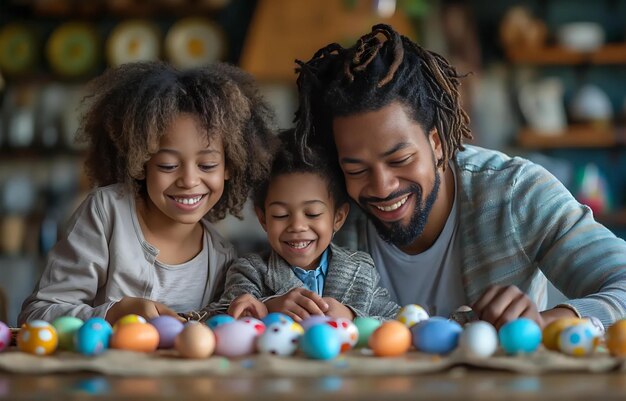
457	384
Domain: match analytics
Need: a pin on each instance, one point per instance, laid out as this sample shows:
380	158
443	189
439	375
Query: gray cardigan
351	279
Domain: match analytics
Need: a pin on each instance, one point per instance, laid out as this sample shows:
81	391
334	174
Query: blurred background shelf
575	136
612	53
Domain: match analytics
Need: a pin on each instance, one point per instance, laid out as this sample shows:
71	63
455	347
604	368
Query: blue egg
436	335
276	317
92	338
520	336
321	342
219	320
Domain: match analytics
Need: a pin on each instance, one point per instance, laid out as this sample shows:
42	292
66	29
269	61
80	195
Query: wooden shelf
613	219
612	53
575	136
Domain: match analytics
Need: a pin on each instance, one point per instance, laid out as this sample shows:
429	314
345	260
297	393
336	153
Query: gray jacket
351	279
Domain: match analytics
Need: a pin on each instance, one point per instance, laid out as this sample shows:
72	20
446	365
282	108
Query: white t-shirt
431	279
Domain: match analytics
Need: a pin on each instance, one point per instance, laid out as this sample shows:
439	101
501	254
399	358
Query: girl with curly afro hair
169	153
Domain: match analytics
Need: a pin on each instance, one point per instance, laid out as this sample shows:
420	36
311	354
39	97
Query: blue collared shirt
313	280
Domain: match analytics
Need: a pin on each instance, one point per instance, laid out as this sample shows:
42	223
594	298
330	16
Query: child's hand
247	305
338	310
139	306
299	304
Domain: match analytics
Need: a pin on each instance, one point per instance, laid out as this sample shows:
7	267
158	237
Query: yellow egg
552	331
196	341
616	338
139	337
37	337
130	318
392	338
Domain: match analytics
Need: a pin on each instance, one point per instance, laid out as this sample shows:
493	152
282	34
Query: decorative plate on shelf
73	49
194	42
133	40
18	49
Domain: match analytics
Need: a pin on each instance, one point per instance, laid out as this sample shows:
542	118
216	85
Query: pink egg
5	336
235	339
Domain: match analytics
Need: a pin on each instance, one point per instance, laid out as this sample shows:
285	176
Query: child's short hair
129	108
289	159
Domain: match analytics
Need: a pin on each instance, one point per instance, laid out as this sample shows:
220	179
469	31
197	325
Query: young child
169	151
300	207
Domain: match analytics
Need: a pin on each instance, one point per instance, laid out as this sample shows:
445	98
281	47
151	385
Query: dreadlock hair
289	160
372	74
129	108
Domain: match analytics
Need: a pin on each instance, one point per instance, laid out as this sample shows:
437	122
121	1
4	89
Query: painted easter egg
195	341
219	320
365	327
411	314
93	337
578	340
348	332
66	327
320	342
168	327
130	318
5	336
138	337
280	338
552	331
258	325
276	317
478	339
313	320
616	338
235	339
37	337
520	336
391	338
436	335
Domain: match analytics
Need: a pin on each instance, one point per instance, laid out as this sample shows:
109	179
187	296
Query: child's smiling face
300	218
185	178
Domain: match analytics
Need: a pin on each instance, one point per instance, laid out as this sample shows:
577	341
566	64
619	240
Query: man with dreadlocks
450	224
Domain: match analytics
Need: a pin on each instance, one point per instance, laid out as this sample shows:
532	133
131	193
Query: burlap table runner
356	362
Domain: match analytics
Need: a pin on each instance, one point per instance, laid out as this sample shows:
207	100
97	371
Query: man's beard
396	233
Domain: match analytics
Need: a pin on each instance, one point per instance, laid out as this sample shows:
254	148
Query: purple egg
313	321
5	336
168	328
235	339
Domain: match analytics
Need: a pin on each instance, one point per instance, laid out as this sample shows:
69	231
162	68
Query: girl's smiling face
300	218
185	178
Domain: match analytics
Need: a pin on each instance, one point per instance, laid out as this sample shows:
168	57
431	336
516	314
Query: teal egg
66	327
321	342
520	336
366	326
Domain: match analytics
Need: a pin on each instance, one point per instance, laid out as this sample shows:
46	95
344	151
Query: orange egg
140	337
37	337
552	331
392	338
616	338
196	340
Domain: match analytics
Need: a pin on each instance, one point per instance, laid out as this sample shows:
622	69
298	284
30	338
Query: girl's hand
299	304
499	305
247	305
338	310
139	306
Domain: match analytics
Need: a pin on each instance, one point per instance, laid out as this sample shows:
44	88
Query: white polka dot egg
37	337
280	338
578	340
411	314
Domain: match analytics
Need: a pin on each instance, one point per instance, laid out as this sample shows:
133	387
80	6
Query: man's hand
299	304
499	305
247	305
338	310
138	306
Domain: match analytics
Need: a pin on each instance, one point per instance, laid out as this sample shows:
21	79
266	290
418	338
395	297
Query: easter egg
37	337
320	342
168	327
348	333
411	314
138	337
436	335
236	339
195	341
276	317
130	318
313	320
280	338
93	337
578	340
552	331
391	338
520	336
616	338
365	326
258	325
5	336
478	339
219	320
66	327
